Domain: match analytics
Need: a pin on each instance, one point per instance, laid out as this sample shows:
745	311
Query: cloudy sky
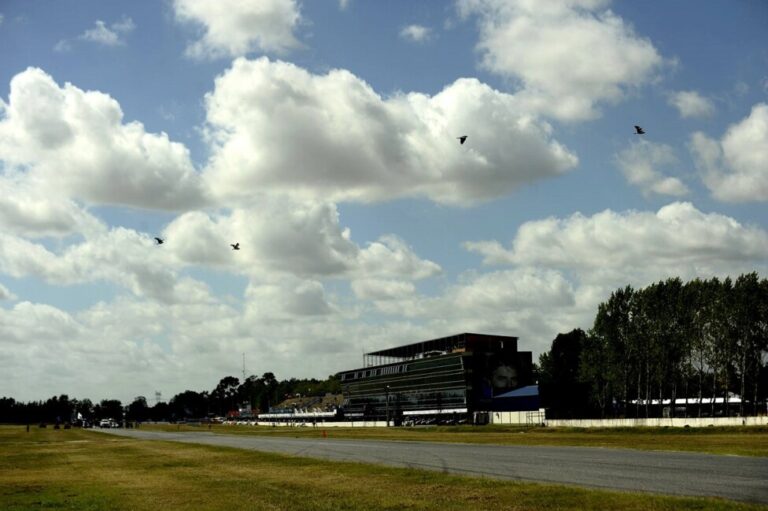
321	136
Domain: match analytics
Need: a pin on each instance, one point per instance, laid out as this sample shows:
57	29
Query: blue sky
322	136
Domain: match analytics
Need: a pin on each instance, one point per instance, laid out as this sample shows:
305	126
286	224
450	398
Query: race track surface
678	473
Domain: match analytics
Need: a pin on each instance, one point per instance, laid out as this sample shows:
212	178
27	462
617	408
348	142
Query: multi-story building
446	379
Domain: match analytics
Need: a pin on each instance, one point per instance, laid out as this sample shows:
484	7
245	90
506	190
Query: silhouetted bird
639	130
235	246
462	139
159	241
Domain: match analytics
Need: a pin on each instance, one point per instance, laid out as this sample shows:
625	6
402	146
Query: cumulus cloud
27	211
564	267
416	33
109	35
176	347
74	143
5	294
641	163
233	28
356	145
513	290
691	104
382	289
568	55
532	303
612	248
293	300
49	351
735	168
295	238
120	256
42	322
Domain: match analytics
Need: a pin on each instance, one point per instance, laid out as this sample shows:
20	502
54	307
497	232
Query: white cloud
640	163
292	300
343	4
233	28
302	239
513	290
26	211
612	248
63	46
74	143
691	104
109	35
568	55
391	257
735	168
416	33
534	304
173	348
563	268
382	289
120	256
5	294
356	145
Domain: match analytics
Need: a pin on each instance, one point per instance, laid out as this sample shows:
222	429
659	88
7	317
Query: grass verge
85	470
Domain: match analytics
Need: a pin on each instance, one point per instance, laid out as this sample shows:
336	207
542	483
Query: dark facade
449	377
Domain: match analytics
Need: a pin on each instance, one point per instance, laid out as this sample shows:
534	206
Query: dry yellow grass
83	470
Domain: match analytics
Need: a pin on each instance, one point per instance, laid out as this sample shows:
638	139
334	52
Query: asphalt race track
679	473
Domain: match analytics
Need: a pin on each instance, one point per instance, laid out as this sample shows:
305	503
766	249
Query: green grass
744	441
86	470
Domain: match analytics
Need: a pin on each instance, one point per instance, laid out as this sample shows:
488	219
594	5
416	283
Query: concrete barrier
677	422
343	424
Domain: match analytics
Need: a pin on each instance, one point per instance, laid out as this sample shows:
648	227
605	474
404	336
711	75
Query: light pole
387	405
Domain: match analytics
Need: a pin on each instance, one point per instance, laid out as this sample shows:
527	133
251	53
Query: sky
322	137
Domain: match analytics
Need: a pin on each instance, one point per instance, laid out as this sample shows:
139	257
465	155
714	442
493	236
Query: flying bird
159	240
235	246
639	130
462	139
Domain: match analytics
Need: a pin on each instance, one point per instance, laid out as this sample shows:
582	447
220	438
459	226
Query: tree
612	331
562	390
224	397
111	409
138	409
189	404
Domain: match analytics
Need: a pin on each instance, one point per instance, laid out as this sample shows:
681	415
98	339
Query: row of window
381	371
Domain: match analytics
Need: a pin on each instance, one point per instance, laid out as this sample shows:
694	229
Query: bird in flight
159	240
235	246
639	130
462	139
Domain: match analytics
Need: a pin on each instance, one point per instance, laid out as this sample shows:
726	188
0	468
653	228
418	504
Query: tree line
260	392
650	346
647	347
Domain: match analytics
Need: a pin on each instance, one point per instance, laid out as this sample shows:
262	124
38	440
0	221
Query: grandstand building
450	379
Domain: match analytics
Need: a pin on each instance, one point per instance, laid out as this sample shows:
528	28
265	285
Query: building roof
444	344
528	391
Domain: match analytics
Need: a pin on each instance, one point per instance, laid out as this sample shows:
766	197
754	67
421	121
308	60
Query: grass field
744	441
87	470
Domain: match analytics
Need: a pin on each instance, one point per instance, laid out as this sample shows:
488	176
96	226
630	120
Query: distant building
450	379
